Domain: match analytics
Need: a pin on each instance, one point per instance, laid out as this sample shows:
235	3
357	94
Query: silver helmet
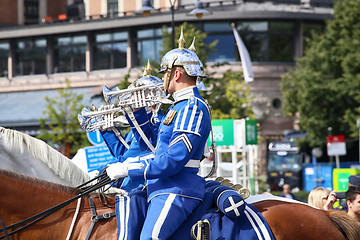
186	58
147	79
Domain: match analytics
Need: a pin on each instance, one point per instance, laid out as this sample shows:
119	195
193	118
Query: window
276	103
268	41
4	52
30	56
69	53
265	41
112	7
282	161
281	42
225	48
149	44
308	29
31	11
110	50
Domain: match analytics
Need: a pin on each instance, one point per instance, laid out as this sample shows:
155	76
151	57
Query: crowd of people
325	199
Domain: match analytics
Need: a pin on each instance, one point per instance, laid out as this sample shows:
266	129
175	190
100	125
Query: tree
324	87
61	128
229	97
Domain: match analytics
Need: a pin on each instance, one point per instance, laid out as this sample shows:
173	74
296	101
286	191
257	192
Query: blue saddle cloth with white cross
229	215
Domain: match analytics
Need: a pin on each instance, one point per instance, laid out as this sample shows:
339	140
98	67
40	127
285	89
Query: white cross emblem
234	206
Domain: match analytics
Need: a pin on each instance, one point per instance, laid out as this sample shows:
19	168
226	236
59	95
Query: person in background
322	198
287	192
354	181
353	202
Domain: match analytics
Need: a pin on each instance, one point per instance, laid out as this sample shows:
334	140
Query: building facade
97	42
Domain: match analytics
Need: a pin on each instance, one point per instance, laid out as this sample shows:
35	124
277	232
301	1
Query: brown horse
23	197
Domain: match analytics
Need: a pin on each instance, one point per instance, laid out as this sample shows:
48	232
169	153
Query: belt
193	163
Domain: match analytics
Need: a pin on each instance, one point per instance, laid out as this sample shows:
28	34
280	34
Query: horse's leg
289	221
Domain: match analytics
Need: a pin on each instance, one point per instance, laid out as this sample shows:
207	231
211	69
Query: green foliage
124	83
229	97
323	88
61	128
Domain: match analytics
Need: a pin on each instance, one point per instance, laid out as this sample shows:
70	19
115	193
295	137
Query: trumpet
105	117
113	115
137	97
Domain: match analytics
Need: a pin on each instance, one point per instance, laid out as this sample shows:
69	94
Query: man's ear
177	75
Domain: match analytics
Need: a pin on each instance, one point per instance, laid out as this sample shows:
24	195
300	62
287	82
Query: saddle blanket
229	215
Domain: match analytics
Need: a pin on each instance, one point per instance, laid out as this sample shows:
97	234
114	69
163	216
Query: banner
244	57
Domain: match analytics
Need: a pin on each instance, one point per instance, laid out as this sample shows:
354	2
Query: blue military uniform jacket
121	153
180	143
115	146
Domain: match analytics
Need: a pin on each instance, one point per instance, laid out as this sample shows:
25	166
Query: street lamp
146	9
358	125
199	10
172	8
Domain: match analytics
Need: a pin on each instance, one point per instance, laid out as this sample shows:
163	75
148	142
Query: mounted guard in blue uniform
173	185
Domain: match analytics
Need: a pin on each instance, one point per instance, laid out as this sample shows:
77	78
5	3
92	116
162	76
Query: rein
38	217
4	228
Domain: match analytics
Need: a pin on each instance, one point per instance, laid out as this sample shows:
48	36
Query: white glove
94	173
131	160
121	170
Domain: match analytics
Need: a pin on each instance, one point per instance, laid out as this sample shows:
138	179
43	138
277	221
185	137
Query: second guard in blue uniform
118	149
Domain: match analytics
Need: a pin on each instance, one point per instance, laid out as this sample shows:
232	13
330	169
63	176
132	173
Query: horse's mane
346	224
62	166
40	182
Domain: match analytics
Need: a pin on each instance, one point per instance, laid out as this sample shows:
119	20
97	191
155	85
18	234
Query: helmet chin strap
168	74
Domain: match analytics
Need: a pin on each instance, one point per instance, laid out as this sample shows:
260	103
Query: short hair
286	185
182	69
316	196
352	192
354	180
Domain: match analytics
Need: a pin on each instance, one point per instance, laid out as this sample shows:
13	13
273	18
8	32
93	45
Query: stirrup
203	230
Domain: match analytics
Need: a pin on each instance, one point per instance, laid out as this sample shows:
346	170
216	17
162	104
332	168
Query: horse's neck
23	194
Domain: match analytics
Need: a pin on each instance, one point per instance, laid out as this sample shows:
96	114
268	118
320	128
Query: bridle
7	230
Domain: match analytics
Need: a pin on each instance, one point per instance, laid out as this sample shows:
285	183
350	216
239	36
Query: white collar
184	93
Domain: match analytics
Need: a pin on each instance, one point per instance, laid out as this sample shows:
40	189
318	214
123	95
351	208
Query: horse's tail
346	224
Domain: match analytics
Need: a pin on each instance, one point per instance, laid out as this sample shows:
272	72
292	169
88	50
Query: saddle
223	214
